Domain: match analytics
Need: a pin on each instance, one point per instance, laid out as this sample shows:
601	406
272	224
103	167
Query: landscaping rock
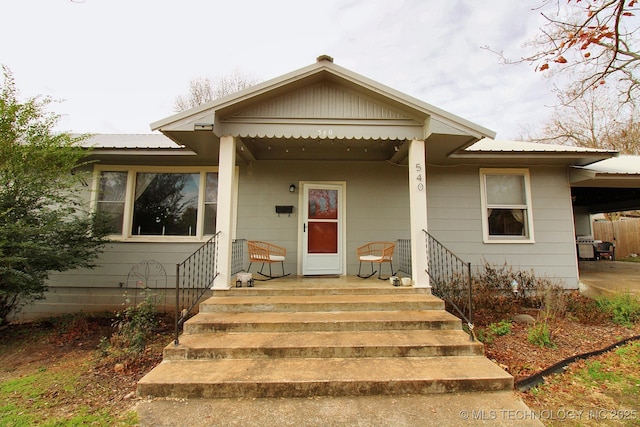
523	318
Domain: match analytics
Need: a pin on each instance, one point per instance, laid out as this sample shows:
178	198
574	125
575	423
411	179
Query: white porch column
225	214
418	212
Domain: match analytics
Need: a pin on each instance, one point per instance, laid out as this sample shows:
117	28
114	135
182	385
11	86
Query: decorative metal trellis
148	277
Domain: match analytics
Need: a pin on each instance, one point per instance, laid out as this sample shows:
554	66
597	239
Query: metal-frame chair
266	253
605	250
376	253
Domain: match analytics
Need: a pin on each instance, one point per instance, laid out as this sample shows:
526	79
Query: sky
117	65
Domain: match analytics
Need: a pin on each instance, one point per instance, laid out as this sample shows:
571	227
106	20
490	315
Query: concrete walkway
448	409
605	277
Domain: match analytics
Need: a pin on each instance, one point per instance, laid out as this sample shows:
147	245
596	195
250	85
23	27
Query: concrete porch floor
605	277
322	281
351	283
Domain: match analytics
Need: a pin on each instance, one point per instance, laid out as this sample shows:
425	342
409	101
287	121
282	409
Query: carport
611	185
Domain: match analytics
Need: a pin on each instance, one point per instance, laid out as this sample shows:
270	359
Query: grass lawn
604	390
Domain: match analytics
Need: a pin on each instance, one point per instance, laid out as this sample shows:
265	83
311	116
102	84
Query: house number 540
419	176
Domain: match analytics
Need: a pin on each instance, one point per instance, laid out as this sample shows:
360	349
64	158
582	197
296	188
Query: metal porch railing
194	277
403	256
237	255
450	279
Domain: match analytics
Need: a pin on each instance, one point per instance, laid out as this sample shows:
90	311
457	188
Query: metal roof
493	145
511	153
622	165
130	141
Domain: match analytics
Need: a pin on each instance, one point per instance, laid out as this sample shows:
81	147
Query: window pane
115	211
323	204
211	203
212	188
210	213
507	222
166	204
505	190
113	186
111	194
323	237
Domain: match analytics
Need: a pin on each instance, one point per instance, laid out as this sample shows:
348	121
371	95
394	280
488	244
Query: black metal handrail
194	277
403	255
237	255
450	279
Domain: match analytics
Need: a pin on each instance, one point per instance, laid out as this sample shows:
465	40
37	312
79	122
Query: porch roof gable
322	101
323	70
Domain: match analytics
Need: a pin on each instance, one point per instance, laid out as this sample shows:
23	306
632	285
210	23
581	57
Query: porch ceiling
603	199
611	185
317	149
206	145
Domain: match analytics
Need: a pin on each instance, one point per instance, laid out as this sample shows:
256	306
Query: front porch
449	275
322	128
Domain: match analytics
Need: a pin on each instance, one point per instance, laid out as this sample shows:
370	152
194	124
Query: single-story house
320	161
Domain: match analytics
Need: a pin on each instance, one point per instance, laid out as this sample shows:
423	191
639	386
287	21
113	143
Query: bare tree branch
596	40
203	89
594	120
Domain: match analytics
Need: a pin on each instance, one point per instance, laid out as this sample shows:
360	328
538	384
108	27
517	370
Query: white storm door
322	229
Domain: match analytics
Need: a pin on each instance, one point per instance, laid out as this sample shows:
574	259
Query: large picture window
506	205
166	204
158	203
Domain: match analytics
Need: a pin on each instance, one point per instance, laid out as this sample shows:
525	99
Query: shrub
492	290
135	326
44	223
582	309
624	309
494	330
539	334
501	328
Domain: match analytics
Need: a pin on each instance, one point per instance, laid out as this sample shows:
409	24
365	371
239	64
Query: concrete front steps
330	341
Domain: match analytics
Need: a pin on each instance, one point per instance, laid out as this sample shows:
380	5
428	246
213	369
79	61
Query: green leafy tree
44	224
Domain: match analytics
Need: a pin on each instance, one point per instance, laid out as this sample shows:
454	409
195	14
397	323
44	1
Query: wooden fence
625	234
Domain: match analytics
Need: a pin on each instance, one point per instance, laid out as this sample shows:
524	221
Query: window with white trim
146	202
506	205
